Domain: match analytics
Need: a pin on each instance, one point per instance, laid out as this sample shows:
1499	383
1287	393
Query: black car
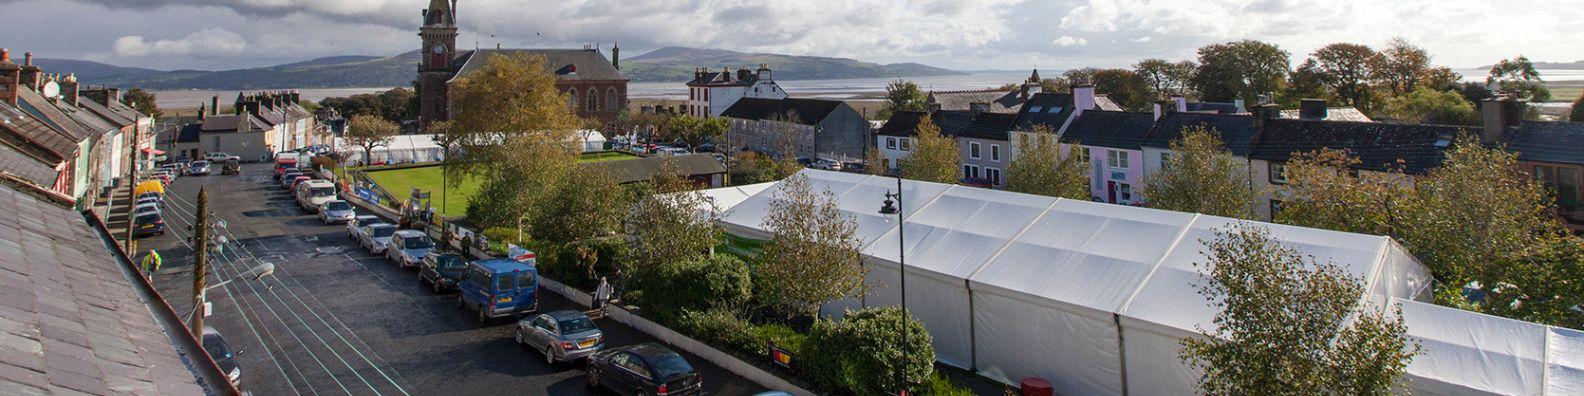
644	369
441	270
220	351
148	224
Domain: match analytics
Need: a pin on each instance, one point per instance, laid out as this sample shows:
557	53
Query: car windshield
149	218
450	261
671	364
576	325
216	346
322	192
418	243
363	221
338	205
382	232
200	163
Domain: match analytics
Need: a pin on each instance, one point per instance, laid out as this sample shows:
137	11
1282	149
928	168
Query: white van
310	194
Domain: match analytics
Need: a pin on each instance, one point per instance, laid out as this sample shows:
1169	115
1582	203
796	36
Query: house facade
813	128
711	93
1114	142
984	148
1550	151
895	138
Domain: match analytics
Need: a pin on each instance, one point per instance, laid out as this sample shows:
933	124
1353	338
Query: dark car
644	369
220	351
148	224
231	167
441	271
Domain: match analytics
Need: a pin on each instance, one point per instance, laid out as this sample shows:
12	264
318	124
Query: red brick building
594	86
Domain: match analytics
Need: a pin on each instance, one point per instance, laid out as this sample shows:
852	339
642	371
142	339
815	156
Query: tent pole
973	340
1121	351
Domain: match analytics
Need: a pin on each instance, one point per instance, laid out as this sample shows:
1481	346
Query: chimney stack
1498	114
743	74
1312	109
202	112
764	72
1263	114
1163	108
69	89
1239	104
9	77
214	105
1083	98
616	55
32	76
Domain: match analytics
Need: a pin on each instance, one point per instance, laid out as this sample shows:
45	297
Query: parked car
220	351
231	167
336	211
355	227
644	369
375	237
563	336
311	193
499	287
149	198
287	177
220	157
199	168
148	224
297	180
441	271
146	208
408	247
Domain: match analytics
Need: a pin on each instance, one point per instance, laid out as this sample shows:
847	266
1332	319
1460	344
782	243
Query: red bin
1036	386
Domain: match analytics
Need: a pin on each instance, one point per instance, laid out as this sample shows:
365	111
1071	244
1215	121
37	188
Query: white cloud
207	42
1070	41
1144	39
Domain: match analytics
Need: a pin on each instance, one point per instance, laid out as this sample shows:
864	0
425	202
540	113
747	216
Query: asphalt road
333	319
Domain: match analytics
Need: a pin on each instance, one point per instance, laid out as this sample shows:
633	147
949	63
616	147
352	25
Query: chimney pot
5	55
1312	109
27	59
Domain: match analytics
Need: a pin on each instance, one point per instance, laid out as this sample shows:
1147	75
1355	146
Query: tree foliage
589	205
1127	88
1401	67
1323	191
521	181
695	130
1041	168
813	255
1429	106
1345	70
1201	176
1305	82
902	95
934	158
864	353
511	96
675	224
1288	325
1240	70
143	101
369	132
874	163
1577	114
391	105
1519	76
1167	77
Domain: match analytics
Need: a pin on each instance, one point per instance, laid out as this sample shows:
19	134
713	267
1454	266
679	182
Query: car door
539	331
628	372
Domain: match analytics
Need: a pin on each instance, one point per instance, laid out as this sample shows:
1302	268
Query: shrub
583	263
860	354
940	385
718	282
721	327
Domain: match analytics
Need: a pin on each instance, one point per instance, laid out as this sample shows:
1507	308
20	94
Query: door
1111	191
542	332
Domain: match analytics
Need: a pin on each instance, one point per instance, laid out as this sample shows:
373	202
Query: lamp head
890	206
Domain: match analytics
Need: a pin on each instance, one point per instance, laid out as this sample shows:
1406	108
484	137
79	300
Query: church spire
440	13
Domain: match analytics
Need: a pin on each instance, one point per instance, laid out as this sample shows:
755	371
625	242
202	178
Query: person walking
151	263
602	295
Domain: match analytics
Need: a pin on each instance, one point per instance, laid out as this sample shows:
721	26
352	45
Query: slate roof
188	133
643	169
70	322
590	65
999	101
722	79
1547	141
797	110
1236	130
1114	129
1104	102
228	123
1051	109
38	107
1215	107
24	163
905	123
105	113
22	128
989	126
1376	145
1332	114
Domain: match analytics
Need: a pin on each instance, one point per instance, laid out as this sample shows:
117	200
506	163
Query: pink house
1113	141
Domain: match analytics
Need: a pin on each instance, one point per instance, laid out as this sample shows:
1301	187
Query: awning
150	150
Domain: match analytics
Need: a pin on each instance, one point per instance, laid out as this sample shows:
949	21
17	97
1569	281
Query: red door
1111	188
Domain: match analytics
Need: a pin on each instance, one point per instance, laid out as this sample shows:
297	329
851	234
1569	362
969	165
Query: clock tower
437	56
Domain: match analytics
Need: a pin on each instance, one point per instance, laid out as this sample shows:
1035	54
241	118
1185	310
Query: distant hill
357	71
677	64
1574	65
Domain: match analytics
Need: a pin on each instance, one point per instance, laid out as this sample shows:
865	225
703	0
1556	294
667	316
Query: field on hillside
400	182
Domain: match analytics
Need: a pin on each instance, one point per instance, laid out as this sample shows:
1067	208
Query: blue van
499	287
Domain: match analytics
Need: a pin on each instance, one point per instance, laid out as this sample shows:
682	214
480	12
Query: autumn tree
1305	82
874	163
143	101
510	96
589	205
1428	106
521	181
368	132
390	104
1289	325
1041	168
902	95
1127	88
813	255
934	158
695	130
675	224
1577	114
1401	67
1201	176
1324	191
1240	70
1167	77
1520	77
1345	70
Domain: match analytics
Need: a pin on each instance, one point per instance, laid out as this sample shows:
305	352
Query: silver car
336	211
375	237
407	248
198	168
562	336
355	227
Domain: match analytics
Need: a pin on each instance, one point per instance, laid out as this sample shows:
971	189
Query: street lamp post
888	210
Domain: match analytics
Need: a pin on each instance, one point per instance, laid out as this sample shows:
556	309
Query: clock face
439	49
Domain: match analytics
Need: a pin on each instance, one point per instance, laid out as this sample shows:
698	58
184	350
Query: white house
711	93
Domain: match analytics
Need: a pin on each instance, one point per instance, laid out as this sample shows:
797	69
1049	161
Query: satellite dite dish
51	90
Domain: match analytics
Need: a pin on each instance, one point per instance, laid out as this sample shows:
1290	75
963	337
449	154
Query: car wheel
592	378
517	336
482	317
461	304
436	286
549	356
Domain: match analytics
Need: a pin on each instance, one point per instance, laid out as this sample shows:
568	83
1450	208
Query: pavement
333	319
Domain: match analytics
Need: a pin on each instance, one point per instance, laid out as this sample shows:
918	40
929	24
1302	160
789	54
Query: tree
1168	78
1401	67
1519	76
874	163
1440	78
902	96
391	104
813	255
1288	325
369	132
589	205
1429	106
510	96
1577	114
1201	176
142	101
520	180
1323	191
673	225
934	158
1345	70
1240	70
1041	168
1305	82
696	131
1127	88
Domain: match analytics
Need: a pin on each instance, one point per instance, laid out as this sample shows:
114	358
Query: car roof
650	350
410	233
504	265
365	217
319	183
381	225
566	314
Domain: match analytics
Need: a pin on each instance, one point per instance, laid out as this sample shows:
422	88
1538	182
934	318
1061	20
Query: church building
594	86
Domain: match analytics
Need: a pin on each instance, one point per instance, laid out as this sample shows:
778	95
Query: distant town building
710	93
595	86
260	125
815	128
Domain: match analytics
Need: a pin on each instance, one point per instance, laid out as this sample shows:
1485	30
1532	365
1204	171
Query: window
593	100
1563	181
995	152
634	364
692	93
971	171
572	99
1275	208
479	277
905	143
891	143
611	99
503	282
1278	173
525	280
973	150
994	175
1166	159
1125	192
1116	159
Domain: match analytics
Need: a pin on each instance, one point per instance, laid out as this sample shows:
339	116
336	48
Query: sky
955	34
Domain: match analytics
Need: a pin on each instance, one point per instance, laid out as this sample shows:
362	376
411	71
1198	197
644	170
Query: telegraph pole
131	204
200	260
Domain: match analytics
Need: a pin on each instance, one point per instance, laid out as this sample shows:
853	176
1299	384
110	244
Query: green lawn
400	182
